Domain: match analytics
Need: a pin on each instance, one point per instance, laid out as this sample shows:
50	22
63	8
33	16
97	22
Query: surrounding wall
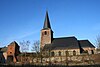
70	60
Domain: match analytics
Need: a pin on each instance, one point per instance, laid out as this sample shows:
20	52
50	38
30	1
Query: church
64	45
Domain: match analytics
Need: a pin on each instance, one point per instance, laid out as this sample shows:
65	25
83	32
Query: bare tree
36	48
24	48
98	41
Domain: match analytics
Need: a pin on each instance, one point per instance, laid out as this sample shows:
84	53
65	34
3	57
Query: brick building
9	54
12	52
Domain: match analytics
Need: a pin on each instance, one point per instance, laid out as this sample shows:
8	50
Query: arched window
66	53
74	52
52	53
92	52
45	33
59	53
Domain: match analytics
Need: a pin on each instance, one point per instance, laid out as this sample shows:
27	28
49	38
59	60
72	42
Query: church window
52	53
74	52
45	32
92	51
59	53
66	53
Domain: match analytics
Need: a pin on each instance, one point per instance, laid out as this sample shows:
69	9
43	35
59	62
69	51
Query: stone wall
70	60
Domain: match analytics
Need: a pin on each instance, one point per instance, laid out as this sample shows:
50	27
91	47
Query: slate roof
47	47
63	43
68	43
46	22
86	43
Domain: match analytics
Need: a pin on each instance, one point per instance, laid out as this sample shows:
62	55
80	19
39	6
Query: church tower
46	32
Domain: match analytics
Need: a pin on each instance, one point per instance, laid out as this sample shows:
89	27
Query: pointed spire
46	22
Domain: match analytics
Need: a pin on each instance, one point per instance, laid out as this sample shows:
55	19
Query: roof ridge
65	37
84	40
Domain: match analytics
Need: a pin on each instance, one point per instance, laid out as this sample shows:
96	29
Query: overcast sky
23	19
